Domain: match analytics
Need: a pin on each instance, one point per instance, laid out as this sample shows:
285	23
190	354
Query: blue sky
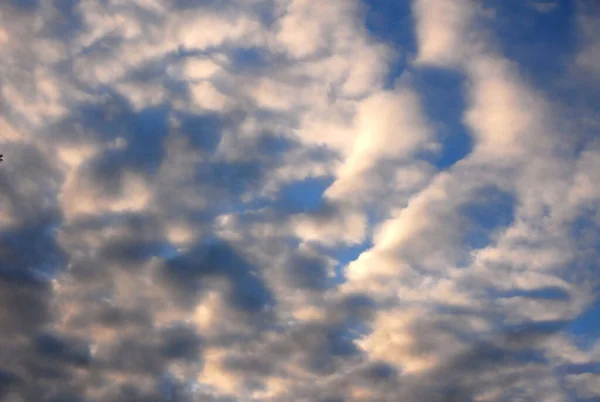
292	200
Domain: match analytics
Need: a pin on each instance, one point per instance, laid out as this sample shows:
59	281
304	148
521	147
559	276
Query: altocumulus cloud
295	200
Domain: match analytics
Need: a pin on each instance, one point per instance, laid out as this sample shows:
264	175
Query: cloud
588	58
245	201
441	30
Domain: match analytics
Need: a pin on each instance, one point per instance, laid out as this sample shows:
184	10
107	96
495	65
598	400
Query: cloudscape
299	200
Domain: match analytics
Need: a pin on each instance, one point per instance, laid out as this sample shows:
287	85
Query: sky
299	201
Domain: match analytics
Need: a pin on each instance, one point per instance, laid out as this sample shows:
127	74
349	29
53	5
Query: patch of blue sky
540	36
145	148
202	130
34	248
343	254
443	98
167	251
305	195
441	91
391	21
490	210
28	5
585	329
244	59
69	20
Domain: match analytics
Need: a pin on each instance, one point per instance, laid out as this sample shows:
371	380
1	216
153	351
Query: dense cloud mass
297	200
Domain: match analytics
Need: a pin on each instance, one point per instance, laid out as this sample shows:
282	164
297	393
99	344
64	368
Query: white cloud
145	154
505	115
389	126
198	69
442	30
82	196
306	29
348	226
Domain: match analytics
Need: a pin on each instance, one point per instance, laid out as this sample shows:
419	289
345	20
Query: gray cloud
228	201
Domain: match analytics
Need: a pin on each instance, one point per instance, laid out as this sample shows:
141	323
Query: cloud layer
272	200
